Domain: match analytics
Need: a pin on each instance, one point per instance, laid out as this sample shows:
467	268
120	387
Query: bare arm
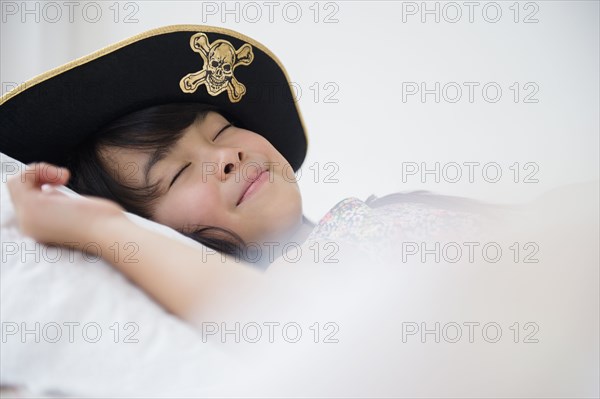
172	272
179	276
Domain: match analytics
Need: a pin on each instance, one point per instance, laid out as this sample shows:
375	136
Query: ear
244	55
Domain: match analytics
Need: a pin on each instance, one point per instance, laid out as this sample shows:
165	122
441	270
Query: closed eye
178	173
189	163
222	130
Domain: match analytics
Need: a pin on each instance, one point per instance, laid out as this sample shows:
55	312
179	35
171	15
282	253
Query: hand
50	216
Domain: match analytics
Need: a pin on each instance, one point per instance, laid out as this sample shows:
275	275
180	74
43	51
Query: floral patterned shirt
380	230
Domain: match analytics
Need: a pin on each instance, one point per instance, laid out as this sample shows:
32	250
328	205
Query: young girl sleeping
188	167
248	198
170	269
192	166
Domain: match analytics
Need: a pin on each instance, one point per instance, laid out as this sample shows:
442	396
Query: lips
252	183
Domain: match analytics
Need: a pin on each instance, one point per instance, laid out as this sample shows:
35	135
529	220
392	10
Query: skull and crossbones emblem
220	60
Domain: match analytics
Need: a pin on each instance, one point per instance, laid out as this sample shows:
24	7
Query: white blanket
373	320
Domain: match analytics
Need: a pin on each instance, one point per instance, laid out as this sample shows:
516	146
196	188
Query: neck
302	232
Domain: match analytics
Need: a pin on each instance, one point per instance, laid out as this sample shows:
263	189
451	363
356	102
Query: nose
229	161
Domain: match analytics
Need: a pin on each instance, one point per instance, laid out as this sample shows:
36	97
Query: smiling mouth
254	186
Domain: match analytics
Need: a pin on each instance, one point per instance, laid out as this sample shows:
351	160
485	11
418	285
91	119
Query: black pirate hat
46	118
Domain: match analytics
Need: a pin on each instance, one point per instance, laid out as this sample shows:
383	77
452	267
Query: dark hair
153	130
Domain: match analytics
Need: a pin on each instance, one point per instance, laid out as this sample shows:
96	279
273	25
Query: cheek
190	206
290	199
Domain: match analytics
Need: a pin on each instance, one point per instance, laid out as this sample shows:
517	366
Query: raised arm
179	276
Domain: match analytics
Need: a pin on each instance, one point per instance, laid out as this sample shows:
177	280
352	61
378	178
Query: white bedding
370	304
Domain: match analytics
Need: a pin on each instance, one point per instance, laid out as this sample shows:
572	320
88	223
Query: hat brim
46	118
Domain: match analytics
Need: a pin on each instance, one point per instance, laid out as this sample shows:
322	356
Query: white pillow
48	289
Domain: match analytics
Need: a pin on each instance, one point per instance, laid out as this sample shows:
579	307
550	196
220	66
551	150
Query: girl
191	149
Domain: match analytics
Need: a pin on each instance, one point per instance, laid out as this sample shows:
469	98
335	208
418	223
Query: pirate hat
47	117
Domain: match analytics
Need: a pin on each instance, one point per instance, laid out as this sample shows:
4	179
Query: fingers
45	173
34	176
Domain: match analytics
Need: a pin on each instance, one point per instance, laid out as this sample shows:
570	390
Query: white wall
368	54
